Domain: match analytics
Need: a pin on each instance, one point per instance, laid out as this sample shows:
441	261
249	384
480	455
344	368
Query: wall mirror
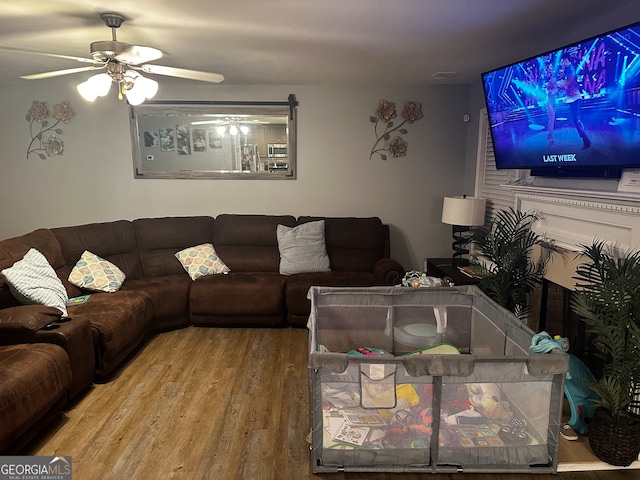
221	140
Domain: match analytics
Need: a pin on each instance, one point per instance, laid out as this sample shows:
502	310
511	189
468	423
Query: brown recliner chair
34	387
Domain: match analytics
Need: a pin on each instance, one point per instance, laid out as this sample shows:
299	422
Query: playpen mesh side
344	318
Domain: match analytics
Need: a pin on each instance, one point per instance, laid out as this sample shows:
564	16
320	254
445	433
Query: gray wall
93	181
476	104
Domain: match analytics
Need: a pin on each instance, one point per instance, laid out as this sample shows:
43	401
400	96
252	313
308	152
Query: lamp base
459	245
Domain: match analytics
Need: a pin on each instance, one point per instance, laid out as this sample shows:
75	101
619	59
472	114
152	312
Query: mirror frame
200	109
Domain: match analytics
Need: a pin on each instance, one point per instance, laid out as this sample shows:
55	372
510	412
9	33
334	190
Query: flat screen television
573	112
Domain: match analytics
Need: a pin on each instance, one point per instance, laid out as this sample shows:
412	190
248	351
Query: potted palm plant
511	270
607	298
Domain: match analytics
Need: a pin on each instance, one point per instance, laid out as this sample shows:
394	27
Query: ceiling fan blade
209	122
46	54
58	73
183	73
137	54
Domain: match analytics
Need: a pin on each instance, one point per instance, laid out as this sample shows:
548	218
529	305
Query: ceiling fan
232	125
121	64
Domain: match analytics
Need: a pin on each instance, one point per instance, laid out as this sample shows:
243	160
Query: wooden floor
209	403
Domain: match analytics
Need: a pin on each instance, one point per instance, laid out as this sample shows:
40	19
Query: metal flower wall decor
39	125
385	113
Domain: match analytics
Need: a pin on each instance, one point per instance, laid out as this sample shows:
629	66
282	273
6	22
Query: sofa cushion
120	321
95	273
353	244
201	260
302	248
113	241
160	238
170	297
299	306
33	281
35	381
238	299
248	243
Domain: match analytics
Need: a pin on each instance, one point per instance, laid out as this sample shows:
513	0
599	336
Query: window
489	180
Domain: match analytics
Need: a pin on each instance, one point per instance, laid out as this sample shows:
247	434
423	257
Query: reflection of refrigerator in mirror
250	157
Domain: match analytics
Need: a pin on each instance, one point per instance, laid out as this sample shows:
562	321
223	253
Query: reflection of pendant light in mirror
233	129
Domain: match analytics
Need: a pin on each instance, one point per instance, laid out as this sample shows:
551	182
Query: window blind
489	180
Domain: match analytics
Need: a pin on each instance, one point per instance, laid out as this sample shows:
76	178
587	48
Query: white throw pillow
302	248
95	273
34	282
201	260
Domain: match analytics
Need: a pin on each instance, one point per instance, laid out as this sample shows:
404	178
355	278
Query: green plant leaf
403	131
373	119
42	156
45	123
383	156
606	299
508	242
58	131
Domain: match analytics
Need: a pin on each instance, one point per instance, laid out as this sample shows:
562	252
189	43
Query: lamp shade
465	211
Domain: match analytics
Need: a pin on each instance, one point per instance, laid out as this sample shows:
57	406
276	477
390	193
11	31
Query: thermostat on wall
149	157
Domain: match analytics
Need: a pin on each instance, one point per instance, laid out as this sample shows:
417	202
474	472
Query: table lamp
462	212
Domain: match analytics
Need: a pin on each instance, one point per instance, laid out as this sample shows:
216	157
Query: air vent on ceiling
443	75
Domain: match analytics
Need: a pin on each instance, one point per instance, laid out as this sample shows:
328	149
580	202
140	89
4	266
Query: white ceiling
308	42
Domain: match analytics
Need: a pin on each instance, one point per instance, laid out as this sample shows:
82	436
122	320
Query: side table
443	268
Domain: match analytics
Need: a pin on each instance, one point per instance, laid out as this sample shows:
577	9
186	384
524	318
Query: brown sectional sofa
158	295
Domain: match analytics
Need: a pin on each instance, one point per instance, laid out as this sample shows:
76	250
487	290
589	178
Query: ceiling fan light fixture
138	88
101	84
150	87
244	129
221	129
96	86
134	97
143	89
87	91
120	63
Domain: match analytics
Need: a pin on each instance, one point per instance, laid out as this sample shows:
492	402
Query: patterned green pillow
201	260
95	273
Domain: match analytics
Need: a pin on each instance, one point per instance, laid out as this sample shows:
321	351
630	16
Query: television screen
574	111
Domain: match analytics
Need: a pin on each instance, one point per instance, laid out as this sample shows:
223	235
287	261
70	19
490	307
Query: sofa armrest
388	271
25	319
